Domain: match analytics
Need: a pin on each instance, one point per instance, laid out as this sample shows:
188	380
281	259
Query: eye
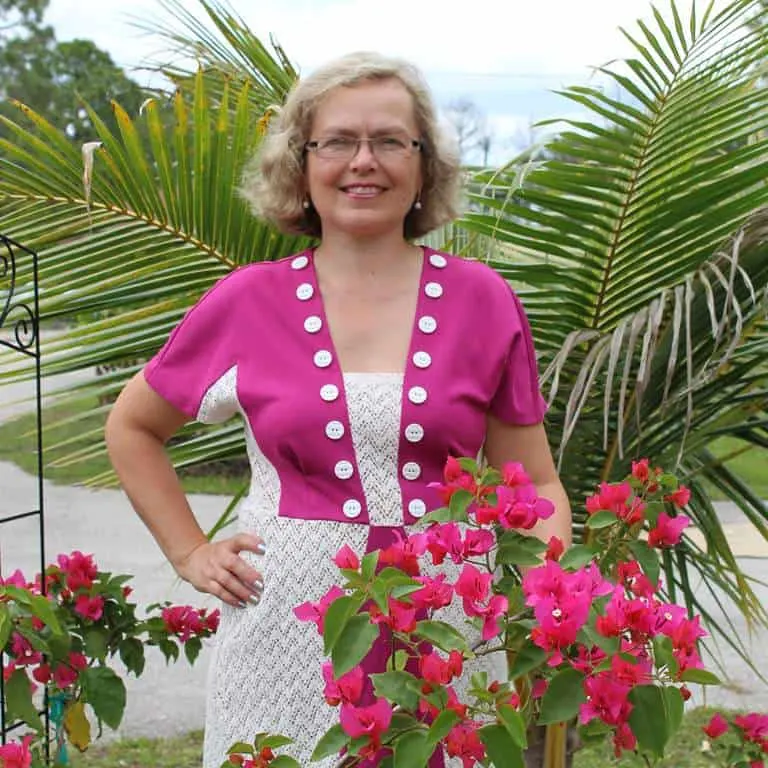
336	143
391	143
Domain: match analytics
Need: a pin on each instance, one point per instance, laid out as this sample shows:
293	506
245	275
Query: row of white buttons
334	429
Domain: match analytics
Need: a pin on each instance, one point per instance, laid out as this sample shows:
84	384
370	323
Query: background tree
55	78
471	129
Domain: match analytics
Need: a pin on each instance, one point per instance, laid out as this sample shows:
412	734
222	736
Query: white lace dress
266	670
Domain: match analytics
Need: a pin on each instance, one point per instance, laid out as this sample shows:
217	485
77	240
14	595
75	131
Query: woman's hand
217	568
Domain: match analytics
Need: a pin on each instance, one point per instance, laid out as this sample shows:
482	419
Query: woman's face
368	192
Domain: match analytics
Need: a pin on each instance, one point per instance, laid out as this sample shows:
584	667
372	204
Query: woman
357	367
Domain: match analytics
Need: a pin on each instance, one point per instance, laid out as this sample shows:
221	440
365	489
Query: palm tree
639	247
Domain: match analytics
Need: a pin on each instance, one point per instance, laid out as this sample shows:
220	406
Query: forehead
374	105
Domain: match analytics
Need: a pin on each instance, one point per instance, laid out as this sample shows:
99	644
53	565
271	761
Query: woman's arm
528	445
139	425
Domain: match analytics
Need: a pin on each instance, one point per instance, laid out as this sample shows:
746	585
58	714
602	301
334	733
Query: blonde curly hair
273	182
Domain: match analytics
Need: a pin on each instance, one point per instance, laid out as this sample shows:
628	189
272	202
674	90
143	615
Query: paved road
169	700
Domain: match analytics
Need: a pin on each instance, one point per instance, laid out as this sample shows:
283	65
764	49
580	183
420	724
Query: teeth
362	190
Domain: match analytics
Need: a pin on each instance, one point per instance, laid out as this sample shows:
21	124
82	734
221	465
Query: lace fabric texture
266	670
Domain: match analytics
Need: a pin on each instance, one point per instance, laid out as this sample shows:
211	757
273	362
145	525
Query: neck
360	258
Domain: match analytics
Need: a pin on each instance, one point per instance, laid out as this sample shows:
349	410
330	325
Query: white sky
506	55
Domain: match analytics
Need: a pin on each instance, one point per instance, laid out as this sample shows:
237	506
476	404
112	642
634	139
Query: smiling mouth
359	190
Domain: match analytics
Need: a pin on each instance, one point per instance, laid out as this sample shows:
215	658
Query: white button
334	430
343	470
433	290
329	392
301	261
422	359
414	433
313	324
417	508
352	508
437	260
417	395
323	358
411	470
427	324
305	291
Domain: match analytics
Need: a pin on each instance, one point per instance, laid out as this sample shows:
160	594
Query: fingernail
261	548
255	599
258	584
242	604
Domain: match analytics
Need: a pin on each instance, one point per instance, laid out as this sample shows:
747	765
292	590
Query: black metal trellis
20	333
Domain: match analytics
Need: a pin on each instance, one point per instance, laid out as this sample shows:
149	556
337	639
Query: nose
364	156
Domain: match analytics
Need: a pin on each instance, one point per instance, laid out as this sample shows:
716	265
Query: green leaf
663	655
648	559
400	659
459	504
96	643
528	658
336	618
700	676
5	625
192	649
368	565
675	706
275	741
513	721
648	719
516	554
283	761
330	744
353	644
105	692
398	687
500	747
441	727
602	519
412	750
44	610
576	557
240	748
444	636
18	698
131	652
563	697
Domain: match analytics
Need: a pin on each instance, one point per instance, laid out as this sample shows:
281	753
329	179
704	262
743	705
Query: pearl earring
306	205
417	206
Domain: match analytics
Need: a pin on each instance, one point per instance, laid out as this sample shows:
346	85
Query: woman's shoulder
258	277
476	277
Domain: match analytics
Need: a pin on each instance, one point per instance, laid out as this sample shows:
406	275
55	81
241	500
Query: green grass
73	427
751	465
186	751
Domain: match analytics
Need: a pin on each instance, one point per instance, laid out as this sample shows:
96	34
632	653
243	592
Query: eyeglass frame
314	144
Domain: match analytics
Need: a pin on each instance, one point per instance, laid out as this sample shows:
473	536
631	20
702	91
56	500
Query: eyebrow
386	131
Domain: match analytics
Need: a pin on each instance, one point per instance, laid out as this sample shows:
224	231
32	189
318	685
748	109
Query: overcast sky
505	55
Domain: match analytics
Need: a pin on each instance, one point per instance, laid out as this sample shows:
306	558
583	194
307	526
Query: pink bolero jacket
258	344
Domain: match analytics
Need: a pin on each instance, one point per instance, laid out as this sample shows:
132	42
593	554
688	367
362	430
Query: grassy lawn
186	751
76	428
67	429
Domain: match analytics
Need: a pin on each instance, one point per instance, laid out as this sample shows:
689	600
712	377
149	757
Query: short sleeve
196	369
518	399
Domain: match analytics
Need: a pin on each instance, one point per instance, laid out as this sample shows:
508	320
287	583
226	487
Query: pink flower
641	470
434	669
434	594
212	620
555	548
22	652
559	622
477	543
89	607
16	755
513	473
80	570
316	611
680	497
445	539
716	727
754	726
400	616
455	479
16	579
520	507
405	553
668	530
64	676
496	608
346	558
347	689
370	722
615	498
464	743
473	586
606	700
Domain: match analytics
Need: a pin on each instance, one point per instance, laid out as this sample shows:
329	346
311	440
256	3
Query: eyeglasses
347	147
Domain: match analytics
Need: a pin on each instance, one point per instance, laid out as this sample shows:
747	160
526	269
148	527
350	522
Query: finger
248	542
241	591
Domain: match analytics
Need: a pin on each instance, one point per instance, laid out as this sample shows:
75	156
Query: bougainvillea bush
60	633
587	632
